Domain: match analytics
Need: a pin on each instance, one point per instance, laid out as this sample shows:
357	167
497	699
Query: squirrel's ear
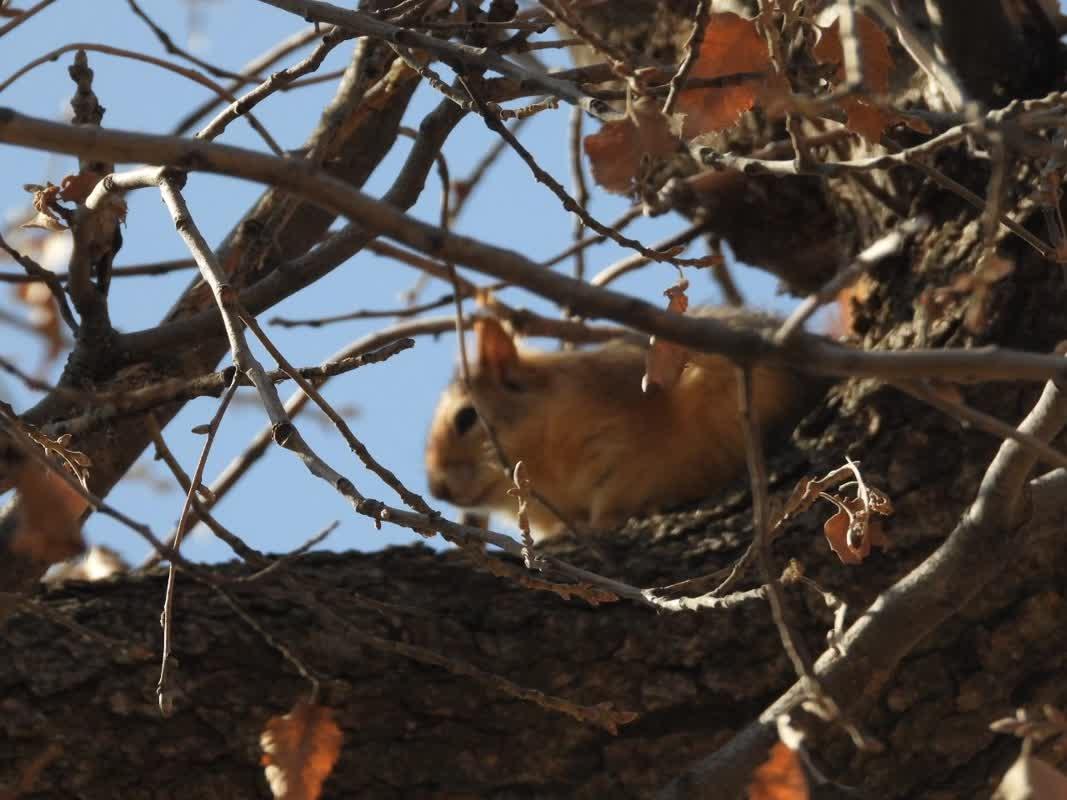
496	348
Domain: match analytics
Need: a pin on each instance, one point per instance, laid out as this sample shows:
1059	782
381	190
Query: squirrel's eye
465	419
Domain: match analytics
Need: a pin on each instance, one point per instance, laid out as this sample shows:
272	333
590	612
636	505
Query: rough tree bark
416	729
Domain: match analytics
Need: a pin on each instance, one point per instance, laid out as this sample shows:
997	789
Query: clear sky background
279	505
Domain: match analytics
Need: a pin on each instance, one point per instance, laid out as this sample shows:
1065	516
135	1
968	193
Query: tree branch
807	353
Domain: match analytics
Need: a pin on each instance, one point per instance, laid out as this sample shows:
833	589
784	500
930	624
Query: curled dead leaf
780	777
851	532
300	750
44	221
665	361
76	188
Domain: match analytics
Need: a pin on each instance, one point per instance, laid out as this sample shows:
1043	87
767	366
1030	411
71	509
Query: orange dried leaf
731	45
780	777
49	527
76	188
612	155
299	751
865	119
875	61
677	299
665	361
617	150
868	121
853	516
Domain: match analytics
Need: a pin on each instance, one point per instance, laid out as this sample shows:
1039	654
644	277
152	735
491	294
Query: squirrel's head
461	463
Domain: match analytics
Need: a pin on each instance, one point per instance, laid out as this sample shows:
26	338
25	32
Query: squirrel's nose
439	489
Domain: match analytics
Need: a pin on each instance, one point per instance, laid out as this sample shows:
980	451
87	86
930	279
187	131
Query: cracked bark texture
416	731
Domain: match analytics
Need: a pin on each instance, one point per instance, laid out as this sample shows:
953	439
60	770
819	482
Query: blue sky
279	504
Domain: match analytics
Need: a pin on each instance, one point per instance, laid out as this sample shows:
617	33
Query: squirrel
595	446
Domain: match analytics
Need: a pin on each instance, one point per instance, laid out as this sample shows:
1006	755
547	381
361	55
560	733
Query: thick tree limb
807	353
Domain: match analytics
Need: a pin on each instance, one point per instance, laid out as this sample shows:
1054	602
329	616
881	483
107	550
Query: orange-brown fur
594	445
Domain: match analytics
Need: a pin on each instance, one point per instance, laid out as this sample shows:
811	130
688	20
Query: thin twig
612	273
110	405
457	56
170	66
569	203
387	476
276	82
399	313
131	271
251	71
692	53
632	213
272	641
25	15
463	189
581	188
757	473
603	715
169	45
166	702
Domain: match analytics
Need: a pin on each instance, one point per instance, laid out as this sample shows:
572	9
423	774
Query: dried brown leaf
299	751
875	60
867	120
780	777
616	152
44	221
851	532
665	361
731	45
49	527
43	196
76	188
